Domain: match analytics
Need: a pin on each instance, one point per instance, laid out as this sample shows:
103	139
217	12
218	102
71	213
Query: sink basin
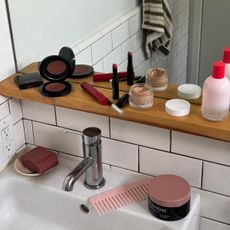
29	204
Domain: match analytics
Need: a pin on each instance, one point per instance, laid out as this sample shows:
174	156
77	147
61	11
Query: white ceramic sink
31	204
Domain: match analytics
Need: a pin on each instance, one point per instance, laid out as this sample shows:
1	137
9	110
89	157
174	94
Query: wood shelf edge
194	123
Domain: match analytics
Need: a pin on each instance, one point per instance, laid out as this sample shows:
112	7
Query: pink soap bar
39	160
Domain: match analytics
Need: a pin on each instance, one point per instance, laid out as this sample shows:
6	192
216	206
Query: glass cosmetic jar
141	96
157	78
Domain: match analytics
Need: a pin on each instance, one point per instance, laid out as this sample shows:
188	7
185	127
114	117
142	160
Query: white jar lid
189	91
177	107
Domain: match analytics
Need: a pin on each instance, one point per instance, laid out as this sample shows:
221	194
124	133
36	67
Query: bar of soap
39	160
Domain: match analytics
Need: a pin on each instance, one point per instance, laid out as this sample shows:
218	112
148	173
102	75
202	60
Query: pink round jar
169	197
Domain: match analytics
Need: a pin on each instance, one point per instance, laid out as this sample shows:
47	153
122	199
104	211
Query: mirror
41	28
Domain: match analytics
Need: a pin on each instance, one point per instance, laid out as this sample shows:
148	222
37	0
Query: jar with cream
141	96
157	78
169	197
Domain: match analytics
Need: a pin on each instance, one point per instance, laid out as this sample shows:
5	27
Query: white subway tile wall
214	206
155	162
201	148
55	138
78	120
38	112
99	66
120	34
120	154
15	110
29	133
3	99
127	145
140	134
135	24
84	57
4	110
216	178
19	138
115	57
101	48
207	224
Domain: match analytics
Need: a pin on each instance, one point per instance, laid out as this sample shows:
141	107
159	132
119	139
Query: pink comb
119	197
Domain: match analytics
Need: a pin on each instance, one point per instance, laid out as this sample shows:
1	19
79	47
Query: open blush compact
56	69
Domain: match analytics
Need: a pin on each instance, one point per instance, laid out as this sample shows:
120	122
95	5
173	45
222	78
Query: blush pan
57	67
55	89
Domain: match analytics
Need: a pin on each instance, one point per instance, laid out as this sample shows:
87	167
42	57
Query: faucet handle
91	135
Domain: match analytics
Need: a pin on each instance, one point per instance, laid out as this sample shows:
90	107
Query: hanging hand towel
157	22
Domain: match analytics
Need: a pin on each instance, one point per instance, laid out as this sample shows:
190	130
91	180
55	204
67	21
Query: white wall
42	27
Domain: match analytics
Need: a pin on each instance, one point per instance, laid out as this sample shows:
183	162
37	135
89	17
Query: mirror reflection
102	32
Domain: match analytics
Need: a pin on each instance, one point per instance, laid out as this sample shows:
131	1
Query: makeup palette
56	69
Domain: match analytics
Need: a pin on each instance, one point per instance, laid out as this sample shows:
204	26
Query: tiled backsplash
204	162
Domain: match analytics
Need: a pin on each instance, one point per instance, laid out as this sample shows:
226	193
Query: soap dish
22	170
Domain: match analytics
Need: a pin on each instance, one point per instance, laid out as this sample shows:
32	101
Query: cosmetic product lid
218	70
226	56
123	100
189	91
55	68
82	71
177	107
169	191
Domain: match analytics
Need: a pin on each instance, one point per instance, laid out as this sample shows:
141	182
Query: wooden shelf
78	99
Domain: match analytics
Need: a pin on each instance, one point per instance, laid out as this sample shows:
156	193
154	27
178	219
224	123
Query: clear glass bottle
215	95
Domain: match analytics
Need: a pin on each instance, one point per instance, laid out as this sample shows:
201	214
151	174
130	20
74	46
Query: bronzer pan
56	69
82	71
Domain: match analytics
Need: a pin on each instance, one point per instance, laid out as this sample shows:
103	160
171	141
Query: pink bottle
226	60
215	96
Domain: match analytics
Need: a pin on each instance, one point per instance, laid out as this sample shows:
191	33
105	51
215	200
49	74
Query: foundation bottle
215	95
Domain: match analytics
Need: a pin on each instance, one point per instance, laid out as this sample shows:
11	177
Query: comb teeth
119	197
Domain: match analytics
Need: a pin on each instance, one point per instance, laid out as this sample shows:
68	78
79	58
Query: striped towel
157	24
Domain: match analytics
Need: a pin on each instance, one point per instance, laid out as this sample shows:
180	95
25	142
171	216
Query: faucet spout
91	165
73	176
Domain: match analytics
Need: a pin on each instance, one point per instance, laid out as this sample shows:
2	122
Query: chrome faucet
91	164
